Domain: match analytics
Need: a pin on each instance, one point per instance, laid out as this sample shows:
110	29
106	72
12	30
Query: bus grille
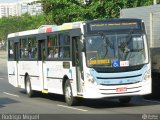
118	69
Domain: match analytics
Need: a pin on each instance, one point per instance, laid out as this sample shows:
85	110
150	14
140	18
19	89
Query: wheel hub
68	93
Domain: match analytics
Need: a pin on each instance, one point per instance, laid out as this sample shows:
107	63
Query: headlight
90	78
147	75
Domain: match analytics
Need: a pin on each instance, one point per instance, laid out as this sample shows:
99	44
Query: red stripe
49	30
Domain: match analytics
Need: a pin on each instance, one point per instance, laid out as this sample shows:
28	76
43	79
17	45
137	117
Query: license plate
122	89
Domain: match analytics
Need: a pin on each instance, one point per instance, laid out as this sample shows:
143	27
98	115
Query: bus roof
65	26
47	29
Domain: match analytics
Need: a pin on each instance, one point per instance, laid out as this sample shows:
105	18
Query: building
30	6
20	7
9	10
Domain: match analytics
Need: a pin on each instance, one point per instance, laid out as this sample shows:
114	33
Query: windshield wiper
107	44
124	45
137	50
129	37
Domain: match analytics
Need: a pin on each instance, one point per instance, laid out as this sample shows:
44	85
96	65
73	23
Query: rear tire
28	87
70	100
125	100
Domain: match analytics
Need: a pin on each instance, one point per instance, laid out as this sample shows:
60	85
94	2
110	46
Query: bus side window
24	48
64	45
32	48
41	50
11	49
52	47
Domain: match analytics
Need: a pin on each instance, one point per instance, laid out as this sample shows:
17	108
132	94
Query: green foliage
62	11
19	23
58	11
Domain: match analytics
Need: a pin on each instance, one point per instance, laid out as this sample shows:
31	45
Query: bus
92	59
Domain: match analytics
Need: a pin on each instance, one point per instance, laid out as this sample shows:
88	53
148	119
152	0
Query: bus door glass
16	56
16	51
77	62
41	58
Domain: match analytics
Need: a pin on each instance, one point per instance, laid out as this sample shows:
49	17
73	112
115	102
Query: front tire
70	100
28	87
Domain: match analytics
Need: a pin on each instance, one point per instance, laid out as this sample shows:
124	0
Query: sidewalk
3	56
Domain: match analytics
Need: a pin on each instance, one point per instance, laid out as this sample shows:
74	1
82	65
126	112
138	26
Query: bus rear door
42	57
13	64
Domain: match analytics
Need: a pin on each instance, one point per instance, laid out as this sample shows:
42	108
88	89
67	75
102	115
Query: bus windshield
116	50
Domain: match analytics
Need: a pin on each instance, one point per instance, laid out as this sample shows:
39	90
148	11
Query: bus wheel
125	100
70	100
28	88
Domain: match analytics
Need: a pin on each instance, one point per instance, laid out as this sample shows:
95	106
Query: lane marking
11	94
73	108
152	101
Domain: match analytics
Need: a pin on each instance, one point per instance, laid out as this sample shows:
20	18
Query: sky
9	1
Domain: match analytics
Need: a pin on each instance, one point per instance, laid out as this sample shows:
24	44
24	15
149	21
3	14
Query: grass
3	57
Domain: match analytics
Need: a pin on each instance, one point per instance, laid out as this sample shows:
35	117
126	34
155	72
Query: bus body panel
54	74
31	68
12	73
41	76
96	93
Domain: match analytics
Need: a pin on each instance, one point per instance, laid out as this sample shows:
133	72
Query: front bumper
104	91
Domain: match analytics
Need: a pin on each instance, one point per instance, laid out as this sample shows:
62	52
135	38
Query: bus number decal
122	89
124	63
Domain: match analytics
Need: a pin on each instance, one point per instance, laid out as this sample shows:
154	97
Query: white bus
91	59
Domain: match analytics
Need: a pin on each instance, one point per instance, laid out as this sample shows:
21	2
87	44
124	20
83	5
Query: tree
58	11
19	23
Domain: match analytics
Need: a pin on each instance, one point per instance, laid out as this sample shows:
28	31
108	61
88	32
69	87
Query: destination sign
112	25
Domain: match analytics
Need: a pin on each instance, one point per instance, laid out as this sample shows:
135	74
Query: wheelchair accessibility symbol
115	63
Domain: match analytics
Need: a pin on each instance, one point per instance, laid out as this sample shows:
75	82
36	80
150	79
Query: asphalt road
15	101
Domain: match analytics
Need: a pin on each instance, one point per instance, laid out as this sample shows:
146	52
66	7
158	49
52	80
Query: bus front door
41	58
77	62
